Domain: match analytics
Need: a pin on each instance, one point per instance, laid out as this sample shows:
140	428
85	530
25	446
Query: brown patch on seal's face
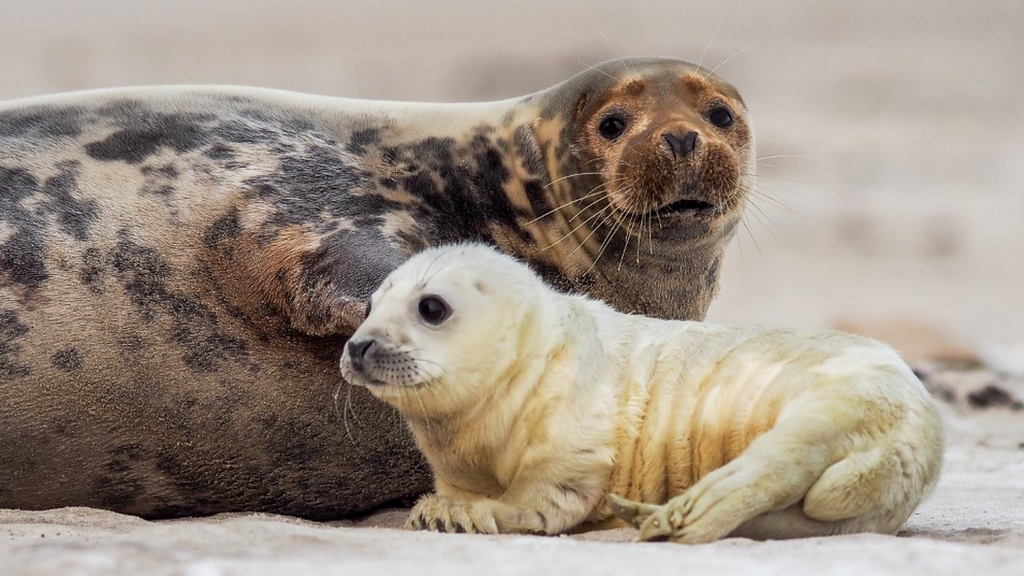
670	148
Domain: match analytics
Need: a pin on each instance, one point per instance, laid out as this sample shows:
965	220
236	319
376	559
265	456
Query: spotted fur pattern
180	267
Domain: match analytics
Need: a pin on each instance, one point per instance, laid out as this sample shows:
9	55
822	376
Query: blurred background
891	134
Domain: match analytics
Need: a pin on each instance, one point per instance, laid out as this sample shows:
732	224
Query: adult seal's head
645	165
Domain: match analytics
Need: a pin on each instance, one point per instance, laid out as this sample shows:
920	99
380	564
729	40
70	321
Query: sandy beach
890	202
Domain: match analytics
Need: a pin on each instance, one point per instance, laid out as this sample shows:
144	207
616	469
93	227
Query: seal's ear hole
581	103
481	287
369	304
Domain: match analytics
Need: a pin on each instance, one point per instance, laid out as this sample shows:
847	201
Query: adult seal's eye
721	117
612	127
434	310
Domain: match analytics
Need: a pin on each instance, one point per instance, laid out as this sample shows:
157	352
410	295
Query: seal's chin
358	378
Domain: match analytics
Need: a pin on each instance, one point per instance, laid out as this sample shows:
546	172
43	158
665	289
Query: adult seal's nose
357	351
681	147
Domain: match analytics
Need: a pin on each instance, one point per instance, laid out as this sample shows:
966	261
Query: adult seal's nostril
681	147
357	351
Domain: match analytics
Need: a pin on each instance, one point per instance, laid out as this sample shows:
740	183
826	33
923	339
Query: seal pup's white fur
534	406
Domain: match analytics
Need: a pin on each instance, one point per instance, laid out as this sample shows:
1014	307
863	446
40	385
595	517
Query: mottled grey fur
180	269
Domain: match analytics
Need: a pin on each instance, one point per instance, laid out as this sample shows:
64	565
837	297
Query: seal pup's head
446	323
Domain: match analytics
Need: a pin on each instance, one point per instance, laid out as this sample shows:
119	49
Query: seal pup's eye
612	127
434	310
721	117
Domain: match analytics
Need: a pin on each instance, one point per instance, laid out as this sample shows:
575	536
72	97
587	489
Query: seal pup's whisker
349	409
443	373
334	396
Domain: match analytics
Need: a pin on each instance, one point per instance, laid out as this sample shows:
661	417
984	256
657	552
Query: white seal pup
533	407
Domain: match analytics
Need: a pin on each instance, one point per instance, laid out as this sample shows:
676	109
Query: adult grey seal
181	266
536	409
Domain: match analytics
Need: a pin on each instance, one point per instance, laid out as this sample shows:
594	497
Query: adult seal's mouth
686	207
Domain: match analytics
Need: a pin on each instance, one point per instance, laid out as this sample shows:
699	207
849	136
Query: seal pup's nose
681	147
357	352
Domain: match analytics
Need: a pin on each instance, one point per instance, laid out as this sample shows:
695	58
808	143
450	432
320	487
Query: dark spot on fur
75	216
421	184
204	351
362	138
41	122
292	442
118	491
538	200
67	359
22	253
219	152
529	152
11	329
21	257
471	197
164	190
315	187
412	240
16	184
143	274
167	171
226	227
145	277
92	270
248	131
147	134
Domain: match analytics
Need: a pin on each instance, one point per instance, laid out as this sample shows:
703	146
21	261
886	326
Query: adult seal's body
180	267
533	407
